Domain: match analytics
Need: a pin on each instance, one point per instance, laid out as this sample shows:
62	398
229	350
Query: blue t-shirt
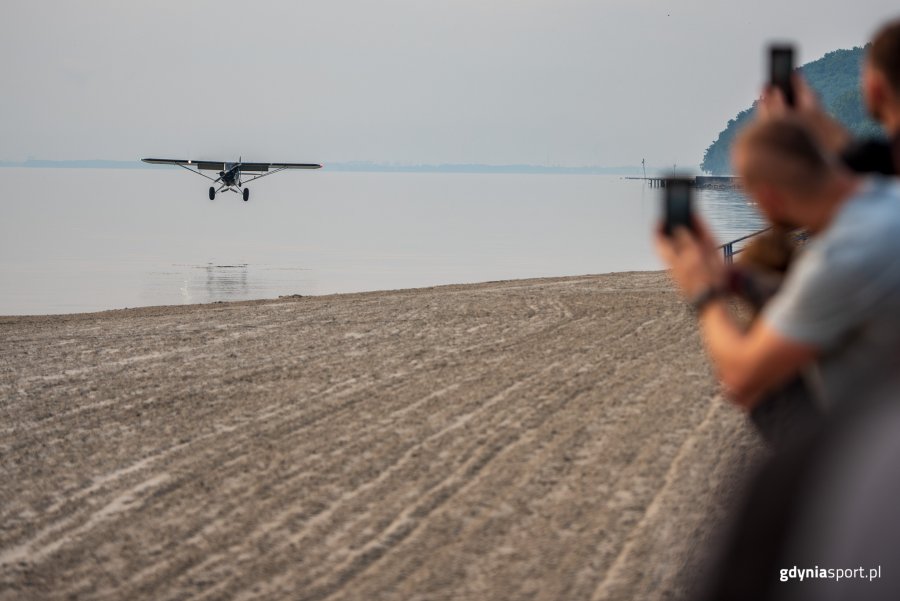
842	296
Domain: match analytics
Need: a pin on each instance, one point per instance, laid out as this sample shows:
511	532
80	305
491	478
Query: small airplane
230	173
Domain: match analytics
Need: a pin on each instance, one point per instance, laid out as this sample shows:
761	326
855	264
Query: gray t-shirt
843	297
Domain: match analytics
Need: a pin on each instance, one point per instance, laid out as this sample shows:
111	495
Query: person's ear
875	91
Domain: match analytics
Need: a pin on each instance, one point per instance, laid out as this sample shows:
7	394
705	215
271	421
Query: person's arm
748	363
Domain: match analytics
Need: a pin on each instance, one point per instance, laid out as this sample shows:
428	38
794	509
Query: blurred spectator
881	93
820	523
837	316
765	260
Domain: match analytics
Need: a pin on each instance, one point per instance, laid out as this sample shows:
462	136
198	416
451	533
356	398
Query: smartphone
781	68
678	205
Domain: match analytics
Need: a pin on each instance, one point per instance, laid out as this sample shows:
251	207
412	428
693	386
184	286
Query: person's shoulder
866	234
877	196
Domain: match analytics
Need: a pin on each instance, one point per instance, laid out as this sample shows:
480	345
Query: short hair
884	53
783	152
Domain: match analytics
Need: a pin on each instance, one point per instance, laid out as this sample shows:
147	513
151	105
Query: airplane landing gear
246	194
212	193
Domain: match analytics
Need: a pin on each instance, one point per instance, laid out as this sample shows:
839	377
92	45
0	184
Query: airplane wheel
212	193
246	194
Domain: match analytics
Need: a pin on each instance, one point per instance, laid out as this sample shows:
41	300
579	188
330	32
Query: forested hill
835	77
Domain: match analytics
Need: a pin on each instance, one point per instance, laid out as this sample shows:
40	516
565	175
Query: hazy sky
515	81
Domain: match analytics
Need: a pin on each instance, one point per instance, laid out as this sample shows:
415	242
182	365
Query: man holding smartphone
788	94
765	260
839	307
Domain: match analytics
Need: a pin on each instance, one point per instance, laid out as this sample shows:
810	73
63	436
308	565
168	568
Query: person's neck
837	190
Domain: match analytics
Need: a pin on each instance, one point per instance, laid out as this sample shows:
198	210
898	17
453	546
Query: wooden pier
700	181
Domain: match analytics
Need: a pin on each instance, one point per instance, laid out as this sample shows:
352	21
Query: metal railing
728	248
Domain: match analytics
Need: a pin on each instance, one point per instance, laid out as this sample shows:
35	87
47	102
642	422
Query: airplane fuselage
232	174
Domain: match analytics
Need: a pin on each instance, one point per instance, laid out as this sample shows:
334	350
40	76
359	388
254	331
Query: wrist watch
699	301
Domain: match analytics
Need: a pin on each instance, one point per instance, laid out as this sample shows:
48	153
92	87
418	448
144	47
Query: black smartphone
678	201
781	68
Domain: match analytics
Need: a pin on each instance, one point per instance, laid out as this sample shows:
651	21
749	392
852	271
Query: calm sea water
75	240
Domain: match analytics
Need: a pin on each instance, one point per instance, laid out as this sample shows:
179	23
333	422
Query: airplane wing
245	166
220	165
210	165
295	166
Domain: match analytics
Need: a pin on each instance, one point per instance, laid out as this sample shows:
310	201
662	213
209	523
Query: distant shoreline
361	167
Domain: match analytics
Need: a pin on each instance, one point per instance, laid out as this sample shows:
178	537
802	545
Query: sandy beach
536	439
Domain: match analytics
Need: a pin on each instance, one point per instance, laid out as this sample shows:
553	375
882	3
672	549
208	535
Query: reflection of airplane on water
230	173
